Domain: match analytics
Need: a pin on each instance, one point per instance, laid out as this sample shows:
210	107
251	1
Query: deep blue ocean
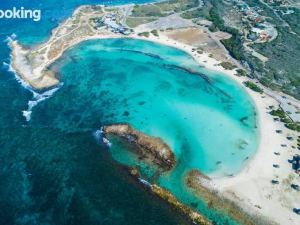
53	171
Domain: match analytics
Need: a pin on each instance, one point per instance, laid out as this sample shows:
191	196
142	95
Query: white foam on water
146	183
6	65
13	36
106	141
11	69
10	38
98	134
23	83
38	98
27	114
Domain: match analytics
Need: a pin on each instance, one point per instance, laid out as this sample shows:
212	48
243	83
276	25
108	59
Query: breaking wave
144	182
36	97
10	38
101	139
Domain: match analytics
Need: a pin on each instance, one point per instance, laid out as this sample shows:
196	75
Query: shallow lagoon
206	118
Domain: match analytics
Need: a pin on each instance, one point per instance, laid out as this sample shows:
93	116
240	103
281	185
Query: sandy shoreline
251	188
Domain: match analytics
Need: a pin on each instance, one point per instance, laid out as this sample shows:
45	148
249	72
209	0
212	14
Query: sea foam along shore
37	97
252	189
35	77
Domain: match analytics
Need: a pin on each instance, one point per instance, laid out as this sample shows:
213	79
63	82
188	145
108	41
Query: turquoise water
52	171
207	119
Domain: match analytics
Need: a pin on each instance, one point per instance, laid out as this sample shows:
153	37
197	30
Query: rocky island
149	148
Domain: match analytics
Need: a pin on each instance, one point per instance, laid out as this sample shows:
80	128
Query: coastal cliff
150	148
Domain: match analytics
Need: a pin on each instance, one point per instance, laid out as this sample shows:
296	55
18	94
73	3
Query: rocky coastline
164	194
168	197
200	185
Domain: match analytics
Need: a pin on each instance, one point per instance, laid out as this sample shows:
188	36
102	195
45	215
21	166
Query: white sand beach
252	188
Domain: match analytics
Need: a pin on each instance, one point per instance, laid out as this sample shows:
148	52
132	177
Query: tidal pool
205	117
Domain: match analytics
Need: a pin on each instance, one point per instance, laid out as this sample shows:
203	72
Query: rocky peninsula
151	149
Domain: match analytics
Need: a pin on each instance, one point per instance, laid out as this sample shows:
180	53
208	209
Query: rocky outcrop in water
149	148
165	195
195	217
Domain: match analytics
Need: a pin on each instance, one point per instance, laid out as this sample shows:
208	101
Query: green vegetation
198	13
285	119
163	8
215	18
144	34
253	86
241	73
293	126
293	19
136	21
149	10
282	70
227	65
155	33
177	5
282	67
234	44
192	14
278	112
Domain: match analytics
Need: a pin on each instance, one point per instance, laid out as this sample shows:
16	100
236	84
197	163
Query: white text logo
20	13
